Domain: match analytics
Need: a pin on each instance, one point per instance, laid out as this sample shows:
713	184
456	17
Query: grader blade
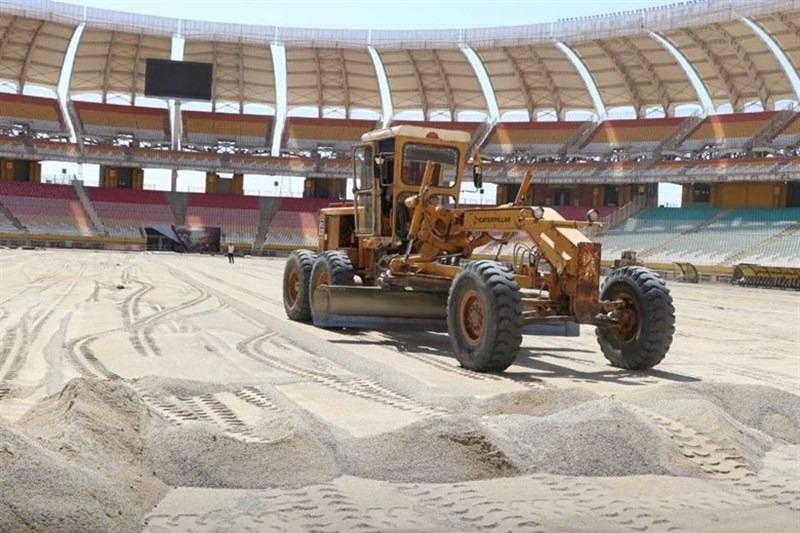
377	308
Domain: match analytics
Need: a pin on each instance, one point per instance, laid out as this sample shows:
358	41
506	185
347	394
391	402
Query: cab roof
420	132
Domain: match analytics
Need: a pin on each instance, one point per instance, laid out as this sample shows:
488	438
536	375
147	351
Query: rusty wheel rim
472	317
627	320
323	279
293	286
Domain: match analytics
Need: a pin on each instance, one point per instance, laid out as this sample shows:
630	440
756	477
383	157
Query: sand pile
541	402
79	466
596	438
432	451
202	457
99	455
771	411
574	432
278	451
45	491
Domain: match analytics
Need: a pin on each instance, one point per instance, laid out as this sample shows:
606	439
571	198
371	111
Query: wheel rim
293	286
323	279
627	316
472	317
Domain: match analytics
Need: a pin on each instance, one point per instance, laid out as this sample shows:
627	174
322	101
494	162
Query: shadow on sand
533	364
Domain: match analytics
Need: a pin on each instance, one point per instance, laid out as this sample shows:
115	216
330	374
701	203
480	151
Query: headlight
538	212
593	215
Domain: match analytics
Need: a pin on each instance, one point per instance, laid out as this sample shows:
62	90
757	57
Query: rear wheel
296	277
484	317
642	333
331	268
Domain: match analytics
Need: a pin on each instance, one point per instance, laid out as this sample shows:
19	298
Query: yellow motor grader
402	257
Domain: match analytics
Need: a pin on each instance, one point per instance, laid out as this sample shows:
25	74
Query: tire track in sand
718	459
215	409
421	358
353	385
18	338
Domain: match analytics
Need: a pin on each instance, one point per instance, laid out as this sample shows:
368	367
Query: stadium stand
726	132
33	114
552	171
529	138
209	129
708	236
6	225
59	151
652	228
714	154
268	206
780	250
11	143
295	224
237	216
746	166
110	122
45	208
634	137
313	135
789	135
125	212
731	231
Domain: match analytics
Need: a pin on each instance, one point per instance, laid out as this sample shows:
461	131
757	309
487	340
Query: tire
484	317
645	335
331	268
296	277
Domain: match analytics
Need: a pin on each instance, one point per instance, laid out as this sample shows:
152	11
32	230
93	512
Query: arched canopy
432	79
534	78
33	45
733	62
112	54
331	77
427	70
241	56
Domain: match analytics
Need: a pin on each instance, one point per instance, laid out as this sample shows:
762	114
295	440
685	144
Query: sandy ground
164	393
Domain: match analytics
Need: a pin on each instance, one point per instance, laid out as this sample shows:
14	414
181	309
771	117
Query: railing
578	138
617	217
770	131
480	135
679	135
80	192
59	179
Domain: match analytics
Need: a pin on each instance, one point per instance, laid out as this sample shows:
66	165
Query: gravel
96	457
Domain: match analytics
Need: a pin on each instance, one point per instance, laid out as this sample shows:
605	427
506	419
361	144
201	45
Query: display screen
184	80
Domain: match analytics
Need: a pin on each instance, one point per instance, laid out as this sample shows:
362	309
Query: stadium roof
630	58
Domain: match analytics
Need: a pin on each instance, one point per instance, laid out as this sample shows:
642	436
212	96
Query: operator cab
389	168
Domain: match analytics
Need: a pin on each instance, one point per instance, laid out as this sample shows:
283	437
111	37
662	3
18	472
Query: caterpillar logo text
492	220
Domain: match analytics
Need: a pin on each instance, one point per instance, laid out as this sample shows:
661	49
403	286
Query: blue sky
356	14
375	14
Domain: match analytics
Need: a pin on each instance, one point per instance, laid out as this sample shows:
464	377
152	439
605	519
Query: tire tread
505	304
657	311
304	260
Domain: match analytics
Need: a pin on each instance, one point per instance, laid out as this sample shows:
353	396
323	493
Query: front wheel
296	276
484	317
331	268
643	325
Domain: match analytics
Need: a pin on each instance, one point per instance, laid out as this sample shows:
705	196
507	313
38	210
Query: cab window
362	159
416	156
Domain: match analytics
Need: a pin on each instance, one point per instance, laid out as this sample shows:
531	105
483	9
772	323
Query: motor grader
402	256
